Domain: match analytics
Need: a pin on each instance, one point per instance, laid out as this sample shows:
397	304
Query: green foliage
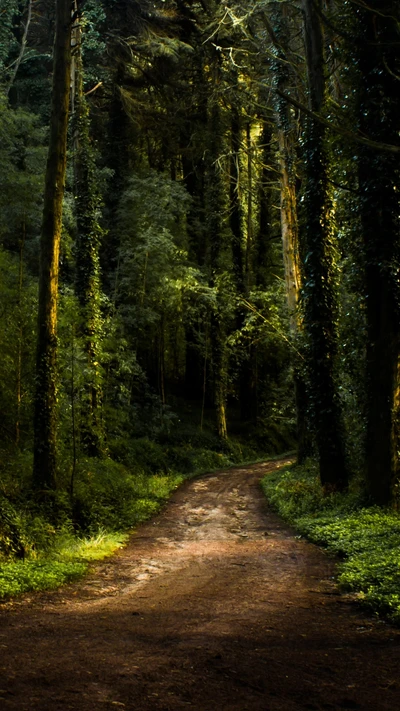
368	538
152	256
12	539
22	157
18	298
65	561
17	578
108	495
70	548
145	455
8	11
93	44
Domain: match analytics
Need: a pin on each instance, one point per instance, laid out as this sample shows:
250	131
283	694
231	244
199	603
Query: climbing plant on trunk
88	288
45	401
318	267
286	127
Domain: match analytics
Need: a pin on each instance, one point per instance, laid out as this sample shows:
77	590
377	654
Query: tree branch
23	47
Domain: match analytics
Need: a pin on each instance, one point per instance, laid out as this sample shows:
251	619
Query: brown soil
215	606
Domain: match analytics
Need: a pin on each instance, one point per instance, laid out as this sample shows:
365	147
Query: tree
214	205
374	51
89	233
45	405
318	267
287	129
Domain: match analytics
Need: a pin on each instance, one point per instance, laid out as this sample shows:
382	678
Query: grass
68	561
20	577
59	556
366	538
110	498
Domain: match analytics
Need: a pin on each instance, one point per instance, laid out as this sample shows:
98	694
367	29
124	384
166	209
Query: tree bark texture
45	405
319	288
214	209
286	130
376	51
88	290
264	236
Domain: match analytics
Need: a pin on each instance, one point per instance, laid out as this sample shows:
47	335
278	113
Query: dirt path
214	606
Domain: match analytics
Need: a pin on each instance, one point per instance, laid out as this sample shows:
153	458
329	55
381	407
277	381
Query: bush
109	495
142	455
13	541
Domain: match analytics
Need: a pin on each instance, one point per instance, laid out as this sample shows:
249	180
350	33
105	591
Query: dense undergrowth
367	538
45	544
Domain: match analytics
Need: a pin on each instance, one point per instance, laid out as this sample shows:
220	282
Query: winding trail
214	606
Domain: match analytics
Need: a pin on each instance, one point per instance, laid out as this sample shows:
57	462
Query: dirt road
214	606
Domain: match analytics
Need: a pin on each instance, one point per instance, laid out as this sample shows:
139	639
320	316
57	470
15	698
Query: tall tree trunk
319	291
194	179
20	337
87	201
214	207
249	230
286	130
263	235
235	207
45	403
376	51
240	257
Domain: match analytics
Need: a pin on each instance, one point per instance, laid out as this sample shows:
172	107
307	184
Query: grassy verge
366	538
109	499
55	555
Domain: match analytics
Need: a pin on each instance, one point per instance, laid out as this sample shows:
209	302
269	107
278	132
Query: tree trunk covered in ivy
45	403
87	202
320	311
376	55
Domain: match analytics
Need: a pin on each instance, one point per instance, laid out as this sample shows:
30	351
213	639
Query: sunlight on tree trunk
45	417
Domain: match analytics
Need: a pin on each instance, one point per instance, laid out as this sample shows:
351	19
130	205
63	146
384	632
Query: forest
199	225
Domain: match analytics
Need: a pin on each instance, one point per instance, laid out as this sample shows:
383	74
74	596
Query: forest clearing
213	604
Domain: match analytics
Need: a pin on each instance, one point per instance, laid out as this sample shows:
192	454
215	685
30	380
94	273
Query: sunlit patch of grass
366	537
88	548
68	561
161	486
68	555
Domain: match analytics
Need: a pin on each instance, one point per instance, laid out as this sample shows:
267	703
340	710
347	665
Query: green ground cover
43	546
37	555
366	538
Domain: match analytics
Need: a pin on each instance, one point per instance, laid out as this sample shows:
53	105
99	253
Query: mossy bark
88	288
45	404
